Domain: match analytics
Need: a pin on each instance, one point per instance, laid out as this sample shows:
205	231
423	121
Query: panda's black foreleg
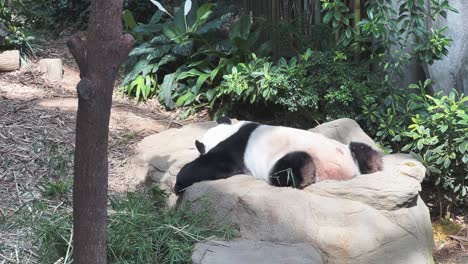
295	169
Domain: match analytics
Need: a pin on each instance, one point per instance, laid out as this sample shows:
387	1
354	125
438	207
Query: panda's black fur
217	163
296	169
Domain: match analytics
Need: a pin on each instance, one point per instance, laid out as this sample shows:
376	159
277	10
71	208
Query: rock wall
452	70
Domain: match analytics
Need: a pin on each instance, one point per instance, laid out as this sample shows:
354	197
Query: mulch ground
37	131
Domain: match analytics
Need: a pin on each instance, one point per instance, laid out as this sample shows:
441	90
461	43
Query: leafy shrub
387	116
321	85
439	138
18	36
391	35
186	57
434	128
56	15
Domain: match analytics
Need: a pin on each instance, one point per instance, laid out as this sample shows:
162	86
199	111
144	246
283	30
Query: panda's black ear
224	120
368	159
200	147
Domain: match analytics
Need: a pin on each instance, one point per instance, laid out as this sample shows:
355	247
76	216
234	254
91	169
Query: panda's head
217	134
368	159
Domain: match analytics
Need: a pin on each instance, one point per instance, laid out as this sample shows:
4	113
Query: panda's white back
268	144
219	133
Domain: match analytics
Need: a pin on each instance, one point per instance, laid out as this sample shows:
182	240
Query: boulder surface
373	218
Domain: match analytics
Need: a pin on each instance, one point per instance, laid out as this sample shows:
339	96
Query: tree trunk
98	54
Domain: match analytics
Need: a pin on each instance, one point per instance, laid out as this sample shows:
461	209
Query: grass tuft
141	229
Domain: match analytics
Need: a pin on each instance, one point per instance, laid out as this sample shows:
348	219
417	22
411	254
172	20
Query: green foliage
318	84
392	35
387	116
141	229
18	36
434	128
337	14
187	55
56	189
55	15
439	137
400	28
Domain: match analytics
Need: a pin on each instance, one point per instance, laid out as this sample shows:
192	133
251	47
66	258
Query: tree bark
98	54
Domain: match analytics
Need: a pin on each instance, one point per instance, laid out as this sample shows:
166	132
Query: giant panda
281	156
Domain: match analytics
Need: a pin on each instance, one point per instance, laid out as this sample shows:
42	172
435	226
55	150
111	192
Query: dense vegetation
212	56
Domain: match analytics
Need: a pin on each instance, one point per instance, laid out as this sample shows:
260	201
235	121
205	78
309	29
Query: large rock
160	157
452	70
374	218
244	251
344	130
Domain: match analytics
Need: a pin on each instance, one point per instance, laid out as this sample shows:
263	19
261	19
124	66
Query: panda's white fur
215	135
275	154
267	144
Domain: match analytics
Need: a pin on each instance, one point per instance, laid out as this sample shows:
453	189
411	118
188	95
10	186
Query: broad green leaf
241	29
183	99
201	79
159	52
128	19
427	82
204	11
190	73
210	94
185	49
167	87
328	17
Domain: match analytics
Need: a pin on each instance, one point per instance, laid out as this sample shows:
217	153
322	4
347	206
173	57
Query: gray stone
452	70
374	218
344	130
254	252
390	189
345	231
159	157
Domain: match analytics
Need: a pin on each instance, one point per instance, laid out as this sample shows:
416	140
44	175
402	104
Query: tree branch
77	45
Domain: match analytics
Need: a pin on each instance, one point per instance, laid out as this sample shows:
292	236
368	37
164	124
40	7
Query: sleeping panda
281	156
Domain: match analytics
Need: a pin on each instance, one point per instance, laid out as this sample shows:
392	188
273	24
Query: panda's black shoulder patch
295	169
368	159
223	161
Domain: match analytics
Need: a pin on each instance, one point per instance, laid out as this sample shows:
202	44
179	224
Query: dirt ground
37	128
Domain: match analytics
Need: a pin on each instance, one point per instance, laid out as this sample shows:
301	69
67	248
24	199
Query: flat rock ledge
258	252
373	218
